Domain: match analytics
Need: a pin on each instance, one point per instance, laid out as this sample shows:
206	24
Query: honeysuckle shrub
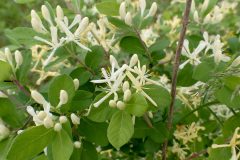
88	80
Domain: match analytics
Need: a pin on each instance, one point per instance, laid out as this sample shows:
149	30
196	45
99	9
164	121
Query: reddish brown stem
175	72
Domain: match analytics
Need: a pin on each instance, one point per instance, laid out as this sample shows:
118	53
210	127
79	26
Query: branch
196	155
175	72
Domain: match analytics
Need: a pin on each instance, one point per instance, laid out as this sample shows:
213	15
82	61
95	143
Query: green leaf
81	74
226	96
5	70
4	147
120	129
204	71
159	45
62	146
41	157
159	94
103	112
159	132
234	44
119	23
232	82
94	58
137	105
230	125
94	132
62	82
23	1
86	152
24	70
81	100
141	129
109	8
132	45
9	113
30	143
185	76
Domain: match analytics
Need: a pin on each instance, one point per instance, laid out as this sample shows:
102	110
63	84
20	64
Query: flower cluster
126	79
59	29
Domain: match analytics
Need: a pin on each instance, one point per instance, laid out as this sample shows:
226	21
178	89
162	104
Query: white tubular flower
8	56
54	35
77	144
122	10
127	95
113	62
195	16
59	13
153	10
133	60
58	127
121	105
63	119
4	131
63	97
18	58
142	5
42	115
38	97
150	114
233	144
48	122
205	5
46	14
125	86
75	119
82	26
112	103
128	19
193	58
37	23
76	83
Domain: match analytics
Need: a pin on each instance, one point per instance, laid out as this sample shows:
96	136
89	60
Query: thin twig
175	72
196	155
21	88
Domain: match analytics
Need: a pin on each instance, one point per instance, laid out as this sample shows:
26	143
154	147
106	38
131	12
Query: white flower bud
121	105
18	58
57	127
38	97
144	68
205	5
196	17
133	60
63	119
142	5
150	115
4	132
42	115
82	26
48	122
113	61
76	84
59	12
153	10
37	23
31	111
77	144
112	103
128	19
8	56
63	97
54	35
125	86
127	95
19	131
122	10
75	119
46	14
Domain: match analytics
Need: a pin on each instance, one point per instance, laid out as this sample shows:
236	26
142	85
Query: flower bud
41	115
153	10
127	95
63	97
59	12
18	58
57	127
112	103
19	131
82	26
205	5
38	97
121	105
8	55
133	60
76	84
31	111
77	144
113	61
150	115
125	86
4	132
48	122
122	10
46	14
128	19
63	119
196	17
144	68
75	119
142	5
37	23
